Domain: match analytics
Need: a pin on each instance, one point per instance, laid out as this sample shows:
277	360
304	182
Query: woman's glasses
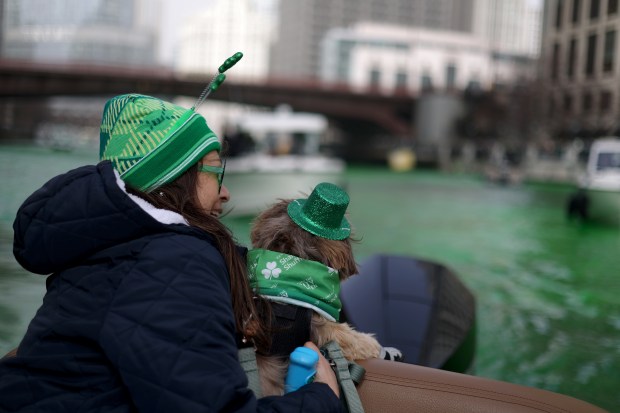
217	170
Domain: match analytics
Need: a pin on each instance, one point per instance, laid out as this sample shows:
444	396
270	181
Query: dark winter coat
137	316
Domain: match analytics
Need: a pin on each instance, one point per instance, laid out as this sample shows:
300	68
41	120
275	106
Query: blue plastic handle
302	368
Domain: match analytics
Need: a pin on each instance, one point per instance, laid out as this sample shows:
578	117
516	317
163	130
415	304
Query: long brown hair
181	196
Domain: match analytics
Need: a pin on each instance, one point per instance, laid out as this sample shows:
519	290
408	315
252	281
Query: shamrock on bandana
272	270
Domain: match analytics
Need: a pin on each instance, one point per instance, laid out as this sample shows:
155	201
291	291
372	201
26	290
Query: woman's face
208	195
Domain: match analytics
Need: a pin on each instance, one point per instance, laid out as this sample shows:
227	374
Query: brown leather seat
400	387
391	387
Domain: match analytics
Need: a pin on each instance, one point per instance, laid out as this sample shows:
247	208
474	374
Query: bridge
353	112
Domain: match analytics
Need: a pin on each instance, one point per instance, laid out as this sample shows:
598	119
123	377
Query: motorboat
598	194
277	155
557	164
422	308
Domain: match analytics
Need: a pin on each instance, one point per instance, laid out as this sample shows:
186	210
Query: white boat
560	165
598	198
286	161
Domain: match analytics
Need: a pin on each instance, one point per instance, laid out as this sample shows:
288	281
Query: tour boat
422	308
277	155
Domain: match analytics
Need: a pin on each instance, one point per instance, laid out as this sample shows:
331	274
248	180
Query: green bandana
290	279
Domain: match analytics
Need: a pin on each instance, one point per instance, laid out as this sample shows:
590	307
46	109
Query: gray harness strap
347	373
247	358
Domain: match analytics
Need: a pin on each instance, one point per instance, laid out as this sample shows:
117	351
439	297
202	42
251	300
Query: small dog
274	230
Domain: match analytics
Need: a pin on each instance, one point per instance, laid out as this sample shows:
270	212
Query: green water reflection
547	290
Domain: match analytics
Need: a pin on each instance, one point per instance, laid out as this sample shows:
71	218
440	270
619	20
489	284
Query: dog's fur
274	230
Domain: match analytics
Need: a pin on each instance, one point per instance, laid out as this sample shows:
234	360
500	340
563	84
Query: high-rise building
399	58
580	67
501	49
223	28
112	32
303	23
121	33
1	31
511	27
226	27
513	30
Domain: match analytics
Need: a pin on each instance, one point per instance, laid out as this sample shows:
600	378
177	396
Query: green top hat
322	214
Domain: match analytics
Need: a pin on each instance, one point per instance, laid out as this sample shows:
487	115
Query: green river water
547	290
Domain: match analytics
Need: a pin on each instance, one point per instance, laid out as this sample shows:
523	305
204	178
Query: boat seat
395	387
401	387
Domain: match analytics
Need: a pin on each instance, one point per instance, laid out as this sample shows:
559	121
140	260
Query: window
555	62
375	77
595	6
401	80
612	7
450	76
427	82
591	55
474	86
572	57
605	103
576	11
587	102
568	103
558	14
609	51
551	106
607	160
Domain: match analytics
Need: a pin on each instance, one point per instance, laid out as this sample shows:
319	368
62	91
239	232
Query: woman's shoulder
185	244
187	263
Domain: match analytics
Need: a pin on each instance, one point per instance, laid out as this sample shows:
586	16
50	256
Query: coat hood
76	215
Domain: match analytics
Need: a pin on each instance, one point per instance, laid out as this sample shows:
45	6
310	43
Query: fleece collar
162	215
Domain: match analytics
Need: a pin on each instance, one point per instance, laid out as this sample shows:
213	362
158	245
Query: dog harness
348	373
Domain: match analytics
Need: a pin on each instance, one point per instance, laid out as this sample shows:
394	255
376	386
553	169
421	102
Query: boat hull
598	197
253	191
603	206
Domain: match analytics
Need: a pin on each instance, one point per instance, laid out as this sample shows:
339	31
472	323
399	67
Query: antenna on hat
218	79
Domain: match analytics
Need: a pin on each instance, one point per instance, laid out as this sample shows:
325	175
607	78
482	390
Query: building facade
580	69
109	32
303	23
396	58
121	33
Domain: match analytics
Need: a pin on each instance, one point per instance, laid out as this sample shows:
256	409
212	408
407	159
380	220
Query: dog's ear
338	255
267	225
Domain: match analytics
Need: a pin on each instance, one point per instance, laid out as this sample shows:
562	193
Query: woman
148	297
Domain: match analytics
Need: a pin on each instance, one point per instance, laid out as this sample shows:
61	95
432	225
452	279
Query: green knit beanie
152	142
